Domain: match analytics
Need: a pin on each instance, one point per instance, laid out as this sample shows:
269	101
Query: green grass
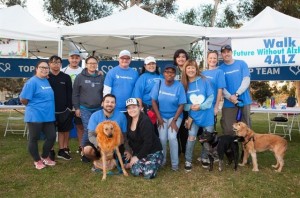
18	177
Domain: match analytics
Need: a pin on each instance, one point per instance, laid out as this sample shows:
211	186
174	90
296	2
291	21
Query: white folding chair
15	124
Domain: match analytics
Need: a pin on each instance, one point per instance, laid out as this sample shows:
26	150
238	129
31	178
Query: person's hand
233	99
134	160
174	126
127	155
77	113
216	110
195	107
160	122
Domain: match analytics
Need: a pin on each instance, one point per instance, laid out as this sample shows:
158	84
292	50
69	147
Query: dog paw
103	178
278	171
220	169
241	164
255	170
274	166
125	173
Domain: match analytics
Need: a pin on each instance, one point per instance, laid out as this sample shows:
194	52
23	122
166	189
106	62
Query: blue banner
24	68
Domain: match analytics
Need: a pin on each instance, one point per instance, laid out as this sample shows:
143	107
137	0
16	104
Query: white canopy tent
17	23
137	30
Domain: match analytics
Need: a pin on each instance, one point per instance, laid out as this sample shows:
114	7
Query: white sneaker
188	166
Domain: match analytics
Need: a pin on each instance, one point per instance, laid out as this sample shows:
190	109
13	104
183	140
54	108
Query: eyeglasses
56	63
169	72
44	68
92	63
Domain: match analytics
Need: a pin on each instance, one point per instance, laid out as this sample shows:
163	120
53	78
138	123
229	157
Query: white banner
267	52
13	48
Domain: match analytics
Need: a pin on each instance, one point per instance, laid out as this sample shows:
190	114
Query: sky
35	7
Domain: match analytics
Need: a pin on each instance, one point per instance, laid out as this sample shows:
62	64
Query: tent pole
205	52
60	47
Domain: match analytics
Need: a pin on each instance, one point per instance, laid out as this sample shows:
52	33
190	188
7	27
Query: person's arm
218	99
92	138
76	93
207	103
69	92
173	124
144	128
244	85
24	101
106	90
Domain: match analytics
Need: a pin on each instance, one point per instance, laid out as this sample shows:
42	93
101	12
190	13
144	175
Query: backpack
291	101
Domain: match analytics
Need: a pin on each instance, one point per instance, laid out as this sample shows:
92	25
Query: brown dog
260	142
109	137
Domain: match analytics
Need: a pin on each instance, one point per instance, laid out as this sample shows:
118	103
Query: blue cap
169	66
77	53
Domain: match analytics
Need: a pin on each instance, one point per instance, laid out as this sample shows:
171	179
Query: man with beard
91	149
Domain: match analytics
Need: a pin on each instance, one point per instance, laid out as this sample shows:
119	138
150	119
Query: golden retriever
255	142
109	138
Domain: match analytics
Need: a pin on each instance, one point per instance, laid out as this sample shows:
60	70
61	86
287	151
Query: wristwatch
236	94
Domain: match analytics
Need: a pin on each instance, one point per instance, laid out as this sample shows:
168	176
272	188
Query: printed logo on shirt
124	77
166	93
63	83
45	87
197	99
233	71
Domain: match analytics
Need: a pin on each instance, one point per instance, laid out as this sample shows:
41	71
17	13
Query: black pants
183	134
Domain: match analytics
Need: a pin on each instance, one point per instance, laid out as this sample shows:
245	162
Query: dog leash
251	138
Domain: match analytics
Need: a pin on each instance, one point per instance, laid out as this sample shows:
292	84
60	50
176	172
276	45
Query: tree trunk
213	17
297	85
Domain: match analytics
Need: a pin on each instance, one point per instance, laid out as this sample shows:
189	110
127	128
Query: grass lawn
18	177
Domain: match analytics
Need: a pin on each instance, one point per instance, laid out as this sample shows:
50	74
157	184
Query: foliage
12	85
260	90
77	11
9	3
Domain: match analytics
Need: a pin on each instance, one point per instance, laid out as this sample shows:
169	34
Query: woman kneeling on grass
38	97
146	156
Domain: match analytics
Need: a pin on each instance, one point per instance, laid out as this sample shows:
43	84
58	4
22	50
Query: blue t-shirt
99	117
198	91
40	96
217	79
168	98
234	75
144	85
122	82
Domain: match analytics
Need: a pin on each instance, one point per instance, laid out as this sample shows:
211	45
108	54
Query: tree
77	11
11	85
9	3
260	91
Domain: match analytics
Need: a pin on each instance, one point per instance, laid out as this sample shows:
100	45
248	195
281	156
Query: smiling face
169	74
109	105
124	61
150	67
227	56
180	60
191	72
133	111
92	65
74	61
212	60
42	70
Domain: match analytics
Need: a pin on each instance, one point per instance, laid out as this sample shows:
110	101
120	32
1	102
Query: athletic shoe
52	155
63	155
205	163
188	166
39	165
79	150
47	161
175	168
96	170
85	159
67	150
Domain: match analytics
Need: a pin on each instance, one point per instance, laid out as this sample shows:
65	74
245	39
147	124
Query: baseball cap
124	53
74	53
132	101
169	66
149	59
228	47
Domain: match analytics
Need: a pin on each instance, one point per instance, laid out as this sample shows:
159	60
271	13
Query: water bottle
238	117
273	103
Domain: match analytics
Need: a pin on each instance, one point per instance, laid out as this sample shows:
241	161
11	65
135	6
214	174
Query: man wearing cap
120	80
73	70
108	112
237	77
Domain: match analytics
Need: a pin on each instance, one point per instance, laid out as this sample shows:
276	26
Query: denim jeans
165	134
191	143
85	117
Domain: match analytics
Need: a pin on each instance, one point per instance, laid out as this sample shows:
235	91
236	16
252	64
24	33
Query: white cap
77	53
149	59
124	53
132	101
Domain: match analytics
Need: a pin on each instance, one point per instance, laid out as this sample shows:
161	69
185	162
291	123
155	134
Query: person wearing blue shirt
91	149
168	98
200	96
120	80
38	97
237	77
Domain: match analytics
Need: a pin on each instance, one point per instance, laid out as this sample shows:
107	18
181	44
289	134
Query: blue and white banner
267	52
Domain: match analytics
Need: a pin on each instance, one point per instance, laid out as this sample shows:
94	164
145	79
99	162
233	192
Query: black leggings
35	129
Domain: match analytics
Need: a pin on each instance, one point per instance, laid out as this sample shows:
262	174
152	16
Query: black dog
225	144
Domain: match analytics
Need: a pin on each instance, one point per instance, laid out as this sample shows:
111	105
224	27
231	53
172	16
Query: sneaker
79	150
188	166
85	159
199	159
63	155
205	163
67	150
96	170
52	155
175	168
39	165
47	161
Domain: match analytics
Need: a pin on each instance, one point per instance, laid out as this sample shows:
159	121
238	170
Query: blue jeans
85	117
191	143
165	134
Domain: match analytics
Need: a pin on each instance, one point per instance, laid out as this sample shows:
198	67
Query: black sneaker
85	159
205	163
188	166
67	150
63	155
52	155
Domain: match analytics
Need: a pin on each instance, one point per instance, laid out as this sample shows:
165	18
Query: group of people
184	100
